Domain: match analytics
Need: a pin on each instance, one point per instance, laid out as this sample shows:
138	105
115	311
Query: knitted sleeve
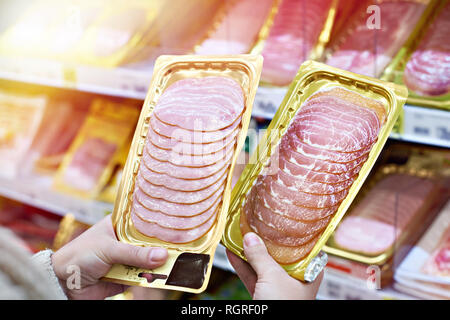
44	259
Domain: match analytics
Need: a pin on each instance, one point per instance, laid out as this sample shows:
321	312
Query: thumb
141	257
258	257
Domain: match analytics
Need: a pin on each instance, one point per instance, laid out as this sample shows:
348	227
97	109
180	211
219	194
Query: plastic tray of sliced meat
307	169
423	62
176	184
389	213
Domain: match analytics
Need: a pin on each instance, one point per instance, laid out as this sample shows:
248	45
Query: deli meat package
296	30
373	35
307	169
176	183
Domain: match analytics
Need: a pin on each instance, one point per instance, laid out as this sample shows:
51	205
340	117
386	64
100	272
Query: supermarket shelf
127	82
338	286
41	196
87	211
425	125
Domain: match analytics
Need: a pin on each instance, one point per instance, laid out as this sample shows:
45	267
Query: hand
94	252
264	278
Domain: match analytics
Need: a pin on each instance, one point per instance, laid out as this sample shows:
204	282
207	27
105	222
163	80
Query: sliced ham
173	222
190	147
182	197
296	201
322	154
296	197
301	183
185	159
295	30
177	209
282	254
319	165
171	235
367	51
184	172
292	211
365	235
184	168
211	103
317	176
384	213
428	70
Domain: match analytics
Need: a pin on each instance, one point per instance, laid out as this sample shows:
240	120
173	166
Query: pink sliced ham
317	176
183	172
289	205
296	197
281	253
177	209
173	222
171	235
184	168
185	197
428	70
190	147
292	211
270	231
383	214
321	165
165	180
192	136
201	104
323	154
238	29
185	159
365	235
367	50
295	30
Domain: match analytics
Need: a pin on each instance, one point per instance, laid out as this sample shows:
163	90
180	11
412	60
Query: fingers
147	258
258	257
244	271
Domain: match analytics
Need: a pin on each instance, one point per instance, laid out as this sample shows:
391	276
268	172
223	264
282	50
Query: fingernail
158	254
251	239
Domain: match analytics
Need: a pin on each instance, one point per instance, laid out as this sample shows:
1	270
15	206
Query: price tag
427	125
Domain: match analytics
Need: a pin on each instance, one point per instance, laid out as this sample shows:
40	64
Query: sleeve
44	260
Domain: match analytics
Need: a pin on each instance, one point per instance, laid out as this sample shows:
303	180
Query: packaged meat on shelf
426	269
394	208
281	195
423	64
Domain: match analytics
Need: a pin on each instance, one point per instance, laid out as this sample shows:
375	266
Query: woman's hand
94	252
264	278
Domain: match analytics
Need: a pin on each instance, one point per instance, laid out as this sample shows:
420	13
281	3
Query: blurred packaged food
90	161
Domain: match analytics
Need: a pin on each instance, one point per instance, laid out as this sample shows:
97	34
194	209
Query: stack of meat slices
185	164
319	157
428	70
367	50
385	213
295	30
